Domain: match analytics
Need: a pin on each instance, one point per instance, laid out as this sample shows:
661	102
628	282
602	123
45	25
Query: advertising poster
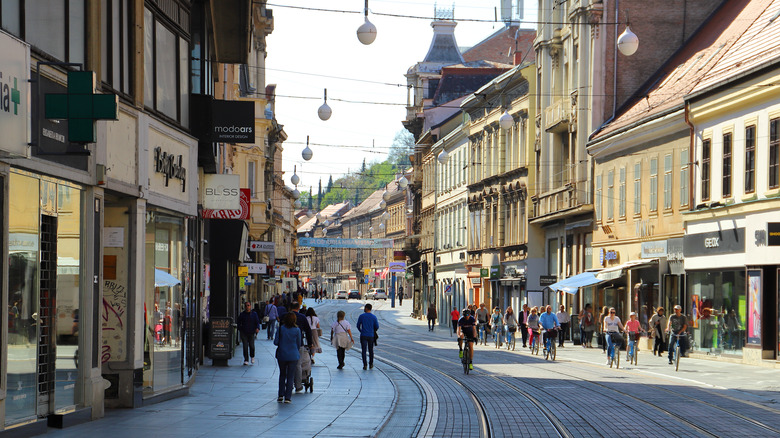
754	307
695	311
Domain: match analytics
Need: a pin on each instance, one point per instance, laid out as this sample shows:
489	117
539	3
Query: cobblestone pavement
418	388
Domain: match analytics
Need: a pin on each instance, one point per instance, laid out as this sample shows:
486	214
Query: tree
329	187
363	167
319	196
401	149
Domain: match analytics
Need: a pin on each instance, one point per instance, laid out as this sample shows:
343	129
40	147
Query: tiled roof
459	81
729	43
326	213
500	46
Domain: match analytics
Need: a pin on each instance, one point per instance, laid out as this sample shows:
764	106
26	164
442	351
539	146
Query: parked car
376	294
342	294
354	294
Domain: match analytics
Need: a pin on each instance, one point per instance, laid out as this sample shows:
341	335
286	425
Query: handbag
266	319
512	328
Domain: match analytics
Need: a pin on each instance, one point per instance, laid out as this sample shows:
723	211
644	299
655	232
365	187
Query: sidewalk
240	400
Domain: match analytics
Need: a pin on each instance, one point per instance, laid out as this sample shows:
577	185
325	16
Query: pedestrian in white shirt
563	319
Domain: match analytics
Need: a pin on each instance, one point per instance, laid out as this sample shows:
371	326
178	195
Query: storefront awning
572	284
617	271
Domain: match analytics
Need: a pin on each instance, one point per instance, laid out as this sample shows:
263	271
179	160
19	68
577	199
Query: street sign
243	271
399	267
448	289
546	280
261	246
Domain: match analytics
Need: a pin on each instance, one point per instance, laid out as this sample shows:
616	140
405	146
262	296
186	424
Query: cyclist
511	326
549	322
497	325
533	326
633	329
482	319
466	332
676	326
612	328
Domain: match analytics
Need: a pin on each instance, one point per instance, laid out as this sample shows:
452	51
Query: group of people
610	326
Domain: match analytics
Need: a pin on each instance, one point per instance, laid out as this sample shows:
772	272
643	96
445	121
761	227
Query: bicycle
676	351
550	345
632	348
466	359
498	333
511	337
535	335
614	359
482	334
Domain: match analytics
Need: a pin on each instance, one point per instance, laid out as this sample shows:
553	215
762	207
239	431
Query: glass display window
718	311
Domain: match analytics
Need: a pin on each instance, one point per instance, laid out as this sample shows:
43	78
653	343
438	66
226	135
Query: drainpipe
614	70
691	192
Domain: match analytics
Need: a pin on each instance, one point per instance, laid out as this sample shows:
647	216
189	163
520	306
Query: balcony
557	116
571	198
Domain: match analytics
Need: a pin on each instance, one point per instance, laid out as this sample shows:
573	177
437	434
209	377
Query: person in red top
455	316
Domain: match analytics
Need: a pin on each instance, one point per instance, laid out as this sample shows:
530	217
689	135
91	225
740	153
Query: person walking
563	319
303	324
510	321
341	337
587	326
272	315
602	338
657	327
497	325
400	295
454	316
367	325
288	341
523	321
316	331
248	326
431	317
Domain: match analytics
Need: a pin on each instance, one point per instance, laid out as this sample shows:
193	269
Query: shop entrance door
47	349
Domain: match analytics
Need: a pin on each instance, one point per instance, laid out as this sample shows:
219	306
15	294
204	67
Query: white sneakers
246	363
253	361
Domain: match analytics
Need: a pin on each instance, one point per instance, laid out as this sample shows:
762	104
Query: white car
342	294
376	294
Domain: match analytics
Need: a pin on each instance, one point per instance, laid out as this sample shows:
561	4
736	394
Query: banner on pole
322	242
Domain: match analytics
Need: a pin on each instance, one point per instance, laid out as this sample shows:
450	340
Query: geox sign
233	121
170	166
14	96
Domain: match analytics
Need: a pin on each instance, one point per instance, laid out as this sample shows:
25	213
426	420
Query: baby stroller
306	380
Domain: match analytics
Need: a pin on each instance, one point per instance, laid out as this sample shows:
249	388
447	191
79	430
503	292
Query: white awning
614	272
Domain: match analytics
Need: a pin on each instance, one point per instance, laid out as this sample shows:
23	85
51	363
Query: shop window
774	153
705	169
750	159
726	165
166	60
41	24
116	55
718	310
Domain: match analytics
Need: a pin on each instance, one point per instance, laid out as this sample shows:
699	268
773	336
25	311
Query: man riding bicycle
466	332
549	323
677	325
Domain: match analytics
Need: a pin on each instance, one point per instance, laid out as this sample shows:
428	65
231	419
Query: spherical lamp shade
310	214
382	204
381	227
307	234
506	121
385	216
443	157
295	179
360	234
319	217
628	42
324	232
297	203
366	33
307	153
403	182
296	194
370	229
324	111
386	196
326	223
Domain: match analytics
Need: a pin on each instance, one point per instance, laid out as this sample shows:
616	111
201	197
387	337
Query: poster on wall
695	311
754	307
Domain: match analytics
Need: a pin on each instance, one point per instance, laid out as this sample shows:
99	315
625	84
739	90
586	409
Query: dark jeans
659	343
340	352
270	328
454	326
564	330
586	337
367	343
431	323
286	377
549	334
524	331
249	346
683	345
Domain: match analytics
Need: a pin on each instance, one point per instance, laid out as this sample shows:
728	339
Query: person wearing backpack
587	326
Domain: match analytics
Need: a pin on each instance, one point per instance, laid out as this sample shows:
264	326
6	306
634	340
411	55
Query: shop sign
233	121
546	280
399	255
221	338
293	274
243	271
754	307
607	256
240	213
366	272
484	272
674	250
171	166
476	281
773	233
261	246
652	250
281	261
255	268
495	271
14	95
715	242
399	267
221	192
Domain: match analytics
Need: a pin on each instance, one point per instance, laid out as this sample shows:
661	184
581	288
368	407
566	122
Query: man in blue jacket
368	325
302	324
248	327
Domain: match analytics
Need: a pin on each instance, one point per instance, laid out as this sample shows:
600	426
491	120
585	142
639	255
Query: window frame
124	61
706	157
750	159
773	176
638	188
598	201
610	195
654	184
727	169
684	175
668	181
622	193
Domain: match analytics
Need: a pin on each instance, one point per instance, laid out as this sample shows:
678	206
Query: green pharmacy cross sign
81	107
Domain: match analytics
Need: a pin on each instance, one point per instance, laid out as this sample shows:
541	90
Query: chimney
518	58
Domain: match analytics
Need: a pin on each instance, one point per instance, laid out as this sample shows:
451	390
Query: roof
371	204
326	213
458	81
501	45
709	56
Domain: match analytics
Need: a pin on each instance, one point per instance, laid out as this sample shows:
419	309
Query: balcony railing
564	198
556	116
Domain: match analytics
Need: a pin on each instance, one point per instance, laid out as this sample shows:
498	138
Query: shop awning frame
572	284
615	272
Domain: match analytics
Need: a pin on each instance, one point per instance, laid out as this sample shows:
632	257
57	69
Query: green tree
401	148
329	187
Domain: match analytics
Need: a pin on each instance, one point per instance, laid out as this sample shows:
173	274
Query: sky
311	50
